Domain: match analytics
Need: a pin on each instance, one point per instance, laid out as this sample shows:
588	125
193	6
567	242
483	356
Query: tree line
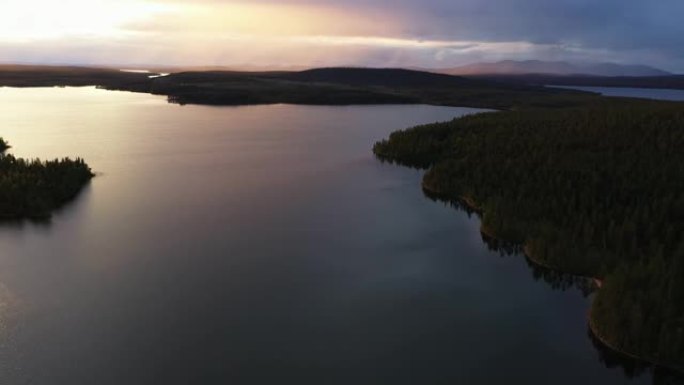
596	190
34	188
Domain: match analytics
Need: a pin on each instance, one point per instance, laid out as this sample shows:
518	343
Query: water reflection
631	367
247	245
45	223
559	281
555	279
18	224
562	281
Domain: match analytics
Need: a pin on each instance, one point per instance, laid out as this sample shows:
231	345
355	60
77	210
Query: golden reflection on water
57	124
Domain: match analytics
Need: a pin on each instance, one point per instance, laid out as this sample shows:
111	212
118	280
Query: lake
264	244
646	93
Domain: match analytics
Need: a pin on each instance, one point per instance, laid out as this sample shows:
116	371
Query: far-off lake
644	93
265	245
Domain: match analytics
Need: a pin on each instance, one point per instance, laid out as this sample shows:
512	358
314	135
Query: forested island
33	189
595	190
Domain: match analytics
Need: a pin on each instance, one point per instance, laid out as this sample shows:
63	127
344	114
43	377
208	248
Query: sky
379	33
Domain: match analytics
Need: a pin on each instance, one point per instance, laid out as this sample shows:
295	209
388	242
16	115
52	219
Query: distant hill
232	68
512	67
343	76
324	86
388	77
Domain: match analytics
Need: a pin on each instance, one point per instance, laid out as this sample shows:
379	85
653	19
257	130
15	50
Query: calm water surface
646	93
261	245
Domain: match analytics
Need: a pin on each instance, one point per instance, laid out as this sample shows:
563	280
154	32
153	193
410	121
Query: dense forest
595	190
34	188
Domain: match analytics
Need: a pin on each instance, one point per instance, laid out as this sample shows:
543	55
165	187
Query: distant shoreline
322	86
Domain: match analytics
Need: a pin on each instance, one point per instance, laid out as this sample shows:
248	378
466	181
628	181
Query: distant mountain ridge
527	67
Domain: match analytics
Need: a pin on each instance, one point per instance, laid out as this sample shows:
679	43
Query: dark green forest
34	188
595	191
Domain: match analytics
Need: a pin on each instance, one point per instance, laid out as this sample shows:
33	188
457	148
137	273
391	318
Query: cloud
376	32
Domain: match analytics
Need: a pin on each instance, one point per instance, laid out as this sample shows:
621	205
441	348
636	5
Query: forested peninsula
33	189
595	190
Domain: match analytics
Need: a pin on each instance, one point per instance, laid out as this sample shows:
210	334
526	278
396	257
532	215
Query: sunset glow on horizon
433	33
30	21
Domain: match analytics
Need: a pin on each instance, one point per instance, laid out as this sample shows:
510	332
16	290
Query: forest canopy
35	188
595	190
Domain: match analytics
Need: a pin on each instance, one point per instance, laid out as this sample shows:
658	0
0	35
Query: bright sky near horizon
429	33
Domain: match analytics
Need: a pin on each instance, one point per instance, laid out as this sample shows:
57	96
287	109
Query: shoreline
470	204
604	341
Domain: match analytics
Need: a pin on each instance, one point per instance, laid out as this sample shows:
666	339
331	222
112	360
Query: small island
595	190
33	189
